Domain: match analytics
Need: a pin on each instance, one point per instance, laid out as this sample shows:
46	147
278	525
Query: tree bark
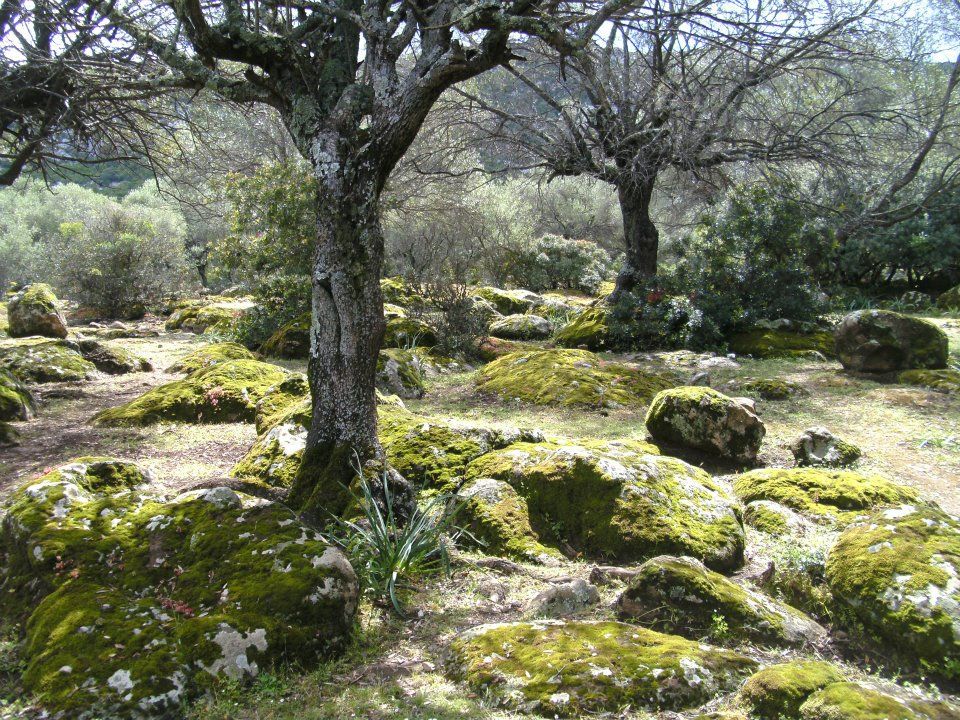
640	235
345	337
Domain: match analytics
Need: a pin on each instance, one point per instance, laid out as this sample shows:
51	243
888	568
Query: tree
683	89
353	81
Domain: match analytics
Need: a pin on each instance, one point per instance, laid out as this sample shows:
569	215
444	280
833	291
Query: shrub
555	262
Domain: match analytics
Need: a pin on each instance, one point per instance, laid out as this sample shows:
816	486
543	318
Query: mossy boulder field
134	603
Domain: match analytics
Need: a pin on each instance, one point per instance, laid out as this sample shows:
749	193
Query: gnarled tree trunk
345	337
641	239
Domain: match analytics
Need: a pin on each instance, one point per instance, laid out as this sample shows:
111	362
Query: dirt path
178	455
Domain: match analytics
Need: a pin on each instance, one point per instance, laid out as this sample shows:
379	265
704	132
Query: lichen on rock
779	690
679	594
896	574
33	311
868	701
588	329
401	373
199	318
704	419
137	603
210	355
227	392
112	359
572	669
16	400
829	496
521	327
818	447
509	302
47	361
571	378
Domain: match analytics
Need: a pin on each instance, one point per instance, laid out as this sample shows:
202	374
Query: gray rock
565	599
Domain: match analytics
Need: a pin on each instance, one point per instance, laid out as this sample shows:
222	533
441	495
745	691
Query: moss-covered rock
772	388
490	348
588	329
33	311
396	291
275	457
770	343
865	701
498	518
614	500
950	300
401	373
818	447
571	378
880	341
199	318
778	691
831	496
679	594
112	359
510	302
407	332
584	668
9	435
16	400
897	574
292	341
278	400
210	355
945	381
704	419
521	327
227	392
772	518
137	603
47	361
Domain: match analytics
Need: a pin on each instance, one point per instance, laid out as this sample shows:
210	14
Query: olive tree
353	81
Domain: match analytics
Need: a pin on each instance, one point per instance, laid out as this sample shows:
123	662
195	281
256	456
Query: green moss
945	381
766	343
210	355
509	302
880	341
47	361
405	332
4	322
112	359
679	594
521	327
398	292
950	300
571	378
277	402
583	668
588	329
859	701
896	576
292	341
779	691
818	447
772	388
767	517
400	372
704	419
615	501
198	318
145	602
837	496
227	392
497	517
16	400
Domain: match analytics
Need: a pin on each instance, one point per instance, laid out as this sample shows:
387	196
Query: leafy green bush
554	262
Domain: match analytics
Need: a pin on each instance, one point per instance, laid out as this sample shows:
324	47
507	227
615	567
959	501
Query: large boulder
680	594
16	400
401	373
200	318
571	378
510	302
587	330
950	300
47	361
135	603
227	392
868	701
704	419
617	501
210	355
880	341
818	447
521	327
292	341
827	496
897	576
33	311
409	332
778	691
576	669
781	343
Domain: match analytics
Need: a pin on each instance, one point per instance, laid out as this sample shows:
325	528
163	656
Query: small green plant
719	628
386	553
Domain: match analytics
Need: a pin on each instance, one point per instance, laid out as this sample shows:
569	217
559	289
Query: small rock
818	447
565	599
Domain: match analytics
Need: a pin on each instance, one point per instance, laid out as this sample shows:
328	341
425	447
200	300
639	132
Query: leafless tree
353	81
682	89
